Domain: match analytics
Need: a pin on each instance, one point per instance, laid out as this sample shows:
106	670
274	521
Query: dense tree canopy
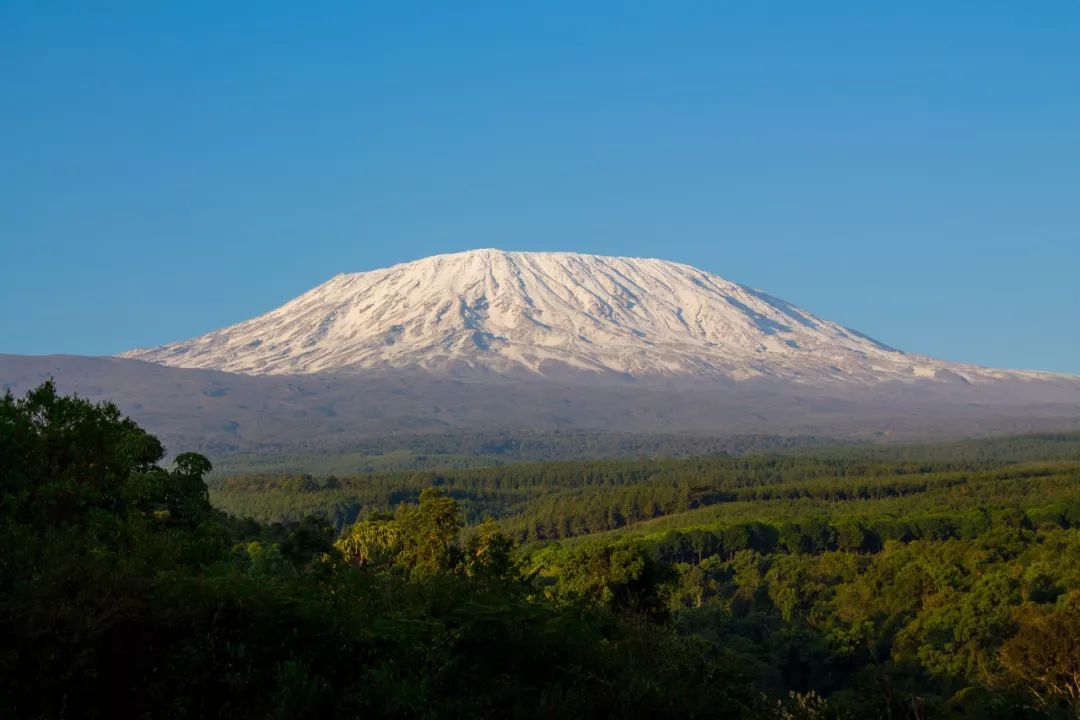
839	586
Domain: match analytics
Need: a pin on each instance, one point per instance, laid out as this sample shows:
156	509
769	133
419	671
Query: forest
938	581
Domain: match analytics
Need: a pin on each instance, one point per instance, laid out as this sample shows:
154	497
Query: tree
186	495
853	536
192	464
1044	656
62	457
736	538
374	541
420	539
307	539
703	543
428	531
488	553
620	576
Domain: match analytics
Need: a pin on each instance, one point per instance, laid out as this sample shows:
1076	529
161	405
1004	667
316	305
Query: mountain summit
552	312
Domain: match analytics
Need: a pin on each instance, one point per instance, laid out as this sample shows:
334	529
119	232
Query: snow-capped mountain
550	312
523	344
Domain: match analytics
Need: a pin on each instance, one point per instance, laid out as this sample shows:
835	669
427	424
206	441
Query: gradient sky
911	170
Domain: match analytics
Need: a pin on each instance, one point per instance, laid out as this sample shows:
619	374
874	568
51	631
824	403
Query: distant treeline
816	535
425	451
543	501
459	450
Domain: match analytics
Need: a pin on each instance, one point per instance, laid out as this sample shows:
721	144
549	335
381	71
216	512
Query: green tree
375	541
620	576
186	495
488	554
428	533
63	457
1044	656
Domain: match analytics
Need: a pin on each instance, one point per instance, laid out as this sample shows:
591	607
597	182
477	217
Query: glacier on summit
553	312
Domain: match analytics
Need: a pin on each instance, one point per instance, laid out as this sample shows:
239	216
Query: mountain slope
323	414
552	314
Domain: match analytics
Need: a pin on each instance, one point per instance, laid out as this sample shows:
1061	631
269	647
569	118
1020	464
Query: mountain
554	315
479	349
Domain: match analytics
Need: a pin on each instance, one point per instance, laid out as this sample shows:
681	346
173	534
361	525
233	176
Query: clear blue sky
911	170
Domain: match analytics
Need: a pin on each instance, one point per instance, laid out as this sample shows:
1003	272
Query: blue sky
910	170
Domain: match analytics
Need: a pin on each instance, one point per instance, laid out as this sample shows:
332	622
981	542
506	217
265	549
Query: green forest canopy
839	584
